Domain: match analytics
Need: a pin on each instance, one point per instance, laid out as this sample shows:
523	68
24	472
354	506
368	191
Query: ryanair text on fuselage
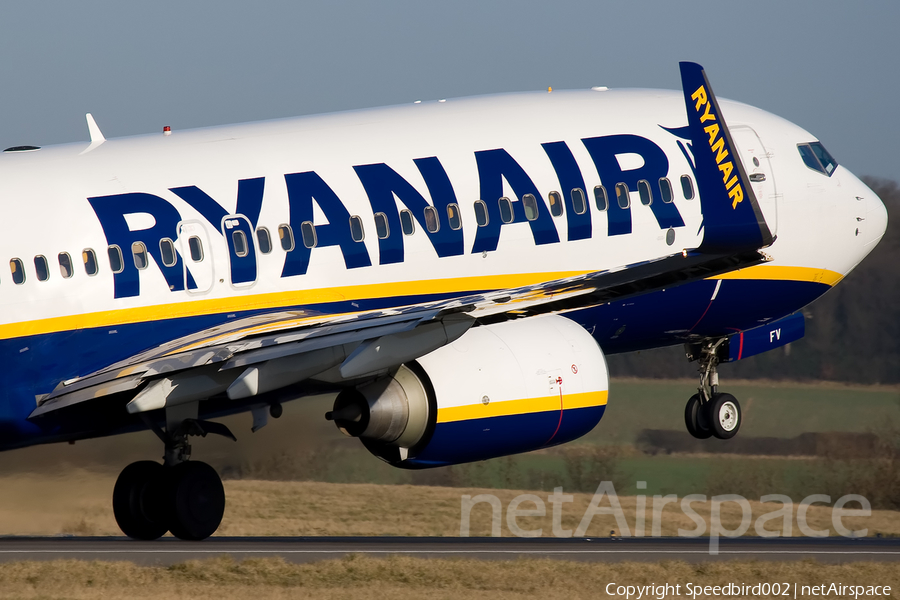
382	185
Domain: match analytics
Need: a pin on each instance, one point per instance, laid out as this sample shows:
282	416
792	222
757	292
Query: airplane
454	272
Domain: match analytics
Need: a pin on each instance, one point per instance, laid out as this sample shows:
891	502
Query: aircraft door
238	235
196	251
759	169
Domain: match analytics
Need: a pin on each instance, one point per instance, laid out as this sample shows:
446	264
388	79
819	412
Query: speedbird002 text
453	272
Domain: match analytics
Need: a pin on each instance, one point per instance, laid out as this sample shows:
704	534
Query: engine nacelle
499	389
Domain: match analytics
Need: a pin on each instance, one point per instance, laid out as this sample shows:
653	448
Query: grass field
404	578
78	503
775	409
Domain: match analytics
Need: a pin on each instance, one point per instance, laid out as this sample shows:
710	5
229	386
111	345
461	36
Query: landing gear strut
181	496
709	412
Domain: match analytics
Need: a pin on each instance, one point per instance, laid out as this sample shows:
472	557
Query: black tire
695	418
196	500
138	501
724	416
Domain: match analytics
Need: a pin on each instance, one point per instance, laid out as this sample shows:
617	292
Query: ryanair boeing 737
453	272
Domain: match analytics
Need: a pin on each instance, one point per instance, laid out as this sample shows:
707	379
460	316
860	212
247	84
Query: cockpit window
817	158
824	157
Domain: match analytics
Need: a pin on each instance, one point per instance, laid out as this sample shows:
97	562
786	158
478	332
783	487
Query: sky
832	66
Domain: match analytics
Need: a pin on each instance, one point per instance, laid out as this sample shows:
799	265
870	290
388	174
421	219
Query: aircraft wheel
724	416
696	419
196	500
137	501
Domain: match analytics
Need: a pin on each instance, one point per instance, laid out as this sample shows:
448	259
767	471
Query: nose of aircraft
876	216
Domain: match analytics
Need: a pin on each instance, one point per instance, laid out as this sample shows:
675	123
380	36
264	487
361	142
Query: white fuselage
824	225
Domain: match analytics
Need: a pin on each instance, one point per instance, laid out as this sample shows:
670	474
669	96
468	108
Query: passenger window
41	268
600	199
687	187
665	188
287	237
263	240
167	252
432	223
18	271
196	248
622	195
356	229
139	252
407	223
65	265
578	203
89	257
556	205
531	207
506	210
116	262
453	216
382	230
308	234
644	192
481	213
239	242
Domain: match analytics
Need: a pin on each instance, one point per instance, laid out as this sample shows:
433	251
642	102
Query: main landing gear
181	496
708	412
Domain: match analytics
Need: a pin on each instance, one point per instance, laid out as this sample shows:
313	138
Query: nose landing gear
696	419
725	416
708	412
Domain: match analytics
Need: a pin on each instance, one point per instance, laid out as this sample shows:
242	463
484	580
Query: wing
264	353
247	359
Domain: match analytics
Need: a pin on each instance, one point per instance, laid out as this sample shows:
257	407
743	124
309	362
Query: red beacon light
167	130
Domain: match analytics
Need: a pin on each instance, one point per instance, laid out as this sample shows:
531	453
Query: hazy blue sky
831	66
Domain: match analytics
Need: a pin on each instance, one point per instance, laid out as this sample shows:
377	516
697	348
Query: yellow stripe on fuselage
280	300
523	406
779	273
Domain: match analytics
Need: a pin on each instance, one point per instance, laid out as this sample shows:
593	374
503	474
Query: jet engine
499	389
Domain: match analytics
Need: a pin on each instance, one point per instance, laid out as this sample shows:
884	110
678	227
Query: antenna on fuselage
96	135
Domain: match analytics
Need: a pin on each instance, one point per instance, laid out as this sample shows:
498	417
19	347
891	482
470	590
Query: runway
310	549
